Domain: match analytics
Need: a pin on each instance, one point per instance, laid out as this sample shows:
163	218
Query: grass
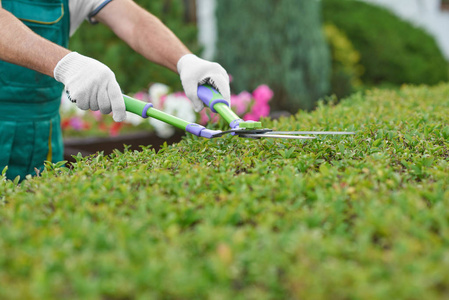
362	217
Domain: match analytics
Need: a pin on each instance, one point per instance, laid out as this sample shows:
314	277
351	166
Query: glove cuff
185	58
68	65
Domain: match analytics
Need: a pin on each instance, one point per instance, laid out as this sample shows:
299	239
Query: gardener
34	66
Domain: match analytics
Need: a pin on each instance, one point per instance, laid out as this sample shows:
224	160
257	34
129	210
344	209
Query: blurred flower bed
79	123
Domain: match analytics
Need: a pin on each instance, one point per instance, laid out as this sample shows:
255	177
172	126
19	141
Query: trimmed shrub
133	71
392	51
276	42
360	217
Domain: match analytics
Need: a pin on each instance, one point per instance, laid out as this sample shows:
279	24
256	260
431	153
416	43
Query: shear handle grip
210	97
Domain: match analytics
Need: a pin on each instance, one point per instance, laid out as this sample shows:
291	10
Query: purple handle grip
210	96
145	109
201	131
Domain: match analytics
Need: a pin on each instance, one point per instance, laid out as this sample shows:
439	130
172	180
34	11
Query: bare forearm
20	45
156	42
145	33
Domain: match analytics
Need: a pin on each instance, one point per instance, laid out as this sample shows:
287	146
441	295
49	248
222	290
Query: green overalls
30	131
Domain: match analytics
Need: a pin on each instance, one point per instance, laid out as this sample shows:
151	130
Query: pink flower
258	111
162	101
261	110
250	117
262	94
245	97
97	114
204	119
180	94
241	102
141	96
76	123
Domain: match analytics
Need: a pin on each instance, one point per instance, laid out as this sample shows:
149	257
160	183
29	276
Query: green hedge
392	50
363	217
275	42
134	72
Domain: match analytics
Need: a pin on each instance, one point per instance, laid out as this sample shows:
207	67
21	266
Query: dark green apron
30	130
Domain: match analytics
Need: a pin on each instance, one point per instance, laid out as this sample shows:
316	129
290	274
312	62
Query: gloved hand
91	85
195	71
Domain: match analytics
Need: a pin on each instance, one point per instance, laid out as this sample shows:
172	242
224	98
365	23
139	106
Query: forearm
20	45
145	33
157	43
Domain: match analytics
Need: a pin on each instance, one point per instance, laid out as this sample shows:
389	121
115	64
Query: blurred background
300	50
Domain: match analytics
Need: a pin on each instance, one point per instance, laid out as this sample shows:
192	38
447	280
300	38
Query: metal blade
242	131
269	135
313	132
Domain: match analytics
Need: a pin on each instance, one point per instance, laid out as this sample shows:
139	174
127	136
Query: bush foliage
278	43
133	71
346	67
392	50
360	217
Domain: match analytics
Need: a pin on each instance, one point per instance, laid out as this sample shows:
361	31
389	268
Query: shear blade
240	132
314	132
270	135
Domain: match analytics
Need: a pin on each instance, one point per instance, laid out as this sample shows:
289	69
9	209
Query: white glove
91	85
195	71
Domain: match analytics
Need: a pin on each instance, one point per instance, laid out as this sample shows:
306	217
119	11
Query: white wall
207	27
423	13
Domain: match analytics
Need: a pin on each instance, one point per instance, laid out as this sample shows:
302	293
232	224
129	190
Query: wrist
68	65
184	59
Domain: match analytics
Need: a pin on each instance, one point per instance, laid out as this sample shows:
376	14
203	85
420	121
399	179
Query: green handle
208	95
216	102
146	110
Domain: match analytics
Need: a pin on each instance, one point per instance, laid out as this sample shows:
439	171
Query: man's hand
195	71
91	85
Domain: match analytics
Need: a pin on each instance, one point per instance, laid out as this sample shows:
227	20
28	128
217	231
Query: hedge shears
215	101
